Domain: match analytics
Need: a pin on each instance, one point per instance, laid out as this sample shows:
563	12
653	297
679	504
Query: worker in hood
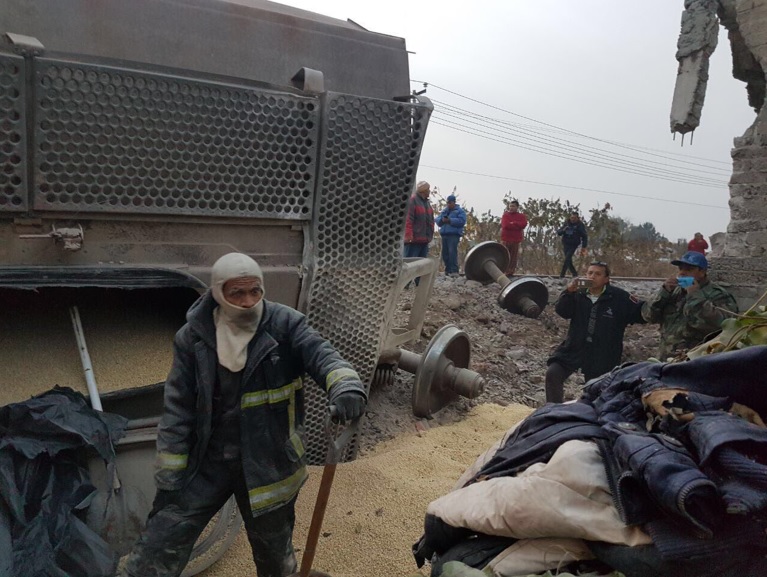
233	422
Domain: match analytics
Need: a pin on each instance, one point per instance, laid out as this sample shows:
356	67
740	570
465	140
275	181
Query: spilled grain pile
377	502
129	336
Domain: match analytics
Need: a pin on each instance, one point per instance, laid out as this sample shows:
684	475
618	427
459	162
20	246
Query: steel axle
441	372
527	295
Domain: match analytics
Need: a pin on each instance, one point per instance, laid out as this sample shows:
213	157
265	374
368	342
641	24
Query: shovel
114	511
337	441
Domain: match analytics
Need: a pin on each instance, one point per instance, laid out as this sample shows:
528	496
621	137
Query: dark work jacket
271	400
574	234
594	340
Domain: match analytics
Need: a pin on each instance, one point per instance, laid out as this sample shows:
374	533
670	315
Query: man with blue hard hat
688	306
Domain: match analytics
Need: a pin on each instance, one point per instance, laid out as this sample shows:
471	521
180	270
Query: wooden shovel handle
338	438
323	495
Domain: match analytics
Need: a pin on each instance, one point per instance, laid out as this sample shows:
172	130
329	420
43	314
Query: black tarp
45	486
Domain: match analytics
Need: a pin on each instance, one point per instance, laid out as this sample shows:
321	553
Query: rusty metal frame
426	269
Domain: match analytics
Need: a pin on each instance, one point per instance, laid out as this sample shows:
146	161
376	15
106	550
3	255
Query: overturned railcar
142	140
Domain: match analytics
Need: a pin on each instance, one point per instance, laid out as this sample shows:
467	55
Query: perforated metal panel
13	166
111	139
369	156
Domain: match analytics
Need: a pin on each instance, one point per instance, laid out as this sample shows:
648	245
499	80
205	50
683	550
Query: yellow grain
377	502
129	347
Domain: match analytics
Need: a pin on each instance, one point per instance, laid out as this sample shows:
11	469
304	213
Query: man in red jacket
513	224
698	244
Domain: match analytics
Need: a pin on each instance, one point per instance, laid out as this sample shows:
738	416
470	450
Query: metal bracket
309	80
72	238
25	45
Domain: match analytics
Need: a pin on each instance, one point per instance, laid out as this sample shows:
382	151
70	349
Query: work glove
349	405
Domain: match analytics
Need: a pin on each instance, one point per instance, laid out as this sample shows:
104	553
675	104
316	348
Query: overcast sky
603	69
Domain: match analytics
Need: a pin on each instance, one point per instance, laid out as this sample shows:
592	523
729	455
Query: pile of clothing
658	470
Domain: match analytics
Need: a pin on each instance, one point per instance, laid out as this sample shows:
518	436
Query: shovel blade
118	516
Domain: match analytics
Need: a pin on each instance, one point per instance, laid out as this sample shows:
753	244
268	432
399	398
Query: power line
612	142
701	183
576	153
528	129
638	148
573	187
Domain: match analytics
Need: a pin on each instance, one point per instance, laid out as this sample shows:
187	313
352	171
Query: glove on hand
349	405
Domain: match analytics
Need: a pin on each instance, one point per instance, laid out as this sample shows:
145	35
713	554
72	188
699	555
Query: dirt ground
508	350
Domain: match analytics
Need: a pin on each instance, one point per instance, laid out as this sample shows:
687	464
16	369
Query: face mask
235	326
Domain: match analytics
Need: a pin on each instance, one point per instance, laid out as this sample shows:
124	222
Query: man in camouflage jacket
688	306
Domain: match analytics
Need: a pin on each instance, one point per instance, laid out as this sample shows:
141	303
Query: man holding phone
688	306
598	314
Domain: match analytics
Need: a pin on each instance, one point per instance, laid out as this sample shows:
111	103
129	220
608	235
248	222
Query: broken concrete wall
743	263
745	65
697	41
716	241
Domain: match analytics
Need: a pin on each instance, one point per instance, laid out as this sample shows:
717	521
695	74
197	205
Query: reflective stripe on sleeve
172	461
338	375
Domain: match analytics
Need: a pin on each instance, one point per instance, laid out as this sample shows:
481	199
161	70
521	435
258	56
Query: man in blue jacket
233	422
451	221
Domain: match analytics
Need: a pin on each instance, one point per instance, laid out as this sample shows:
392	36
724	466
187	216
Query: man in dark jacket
598	317
573	234
419	225
451	221
233	422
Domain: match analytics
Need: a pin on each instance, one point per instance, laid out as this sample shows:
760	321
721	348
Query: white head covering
235	326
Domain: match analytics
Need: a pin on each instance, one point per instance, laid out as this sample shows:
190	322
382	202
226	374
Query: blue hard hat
692	258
